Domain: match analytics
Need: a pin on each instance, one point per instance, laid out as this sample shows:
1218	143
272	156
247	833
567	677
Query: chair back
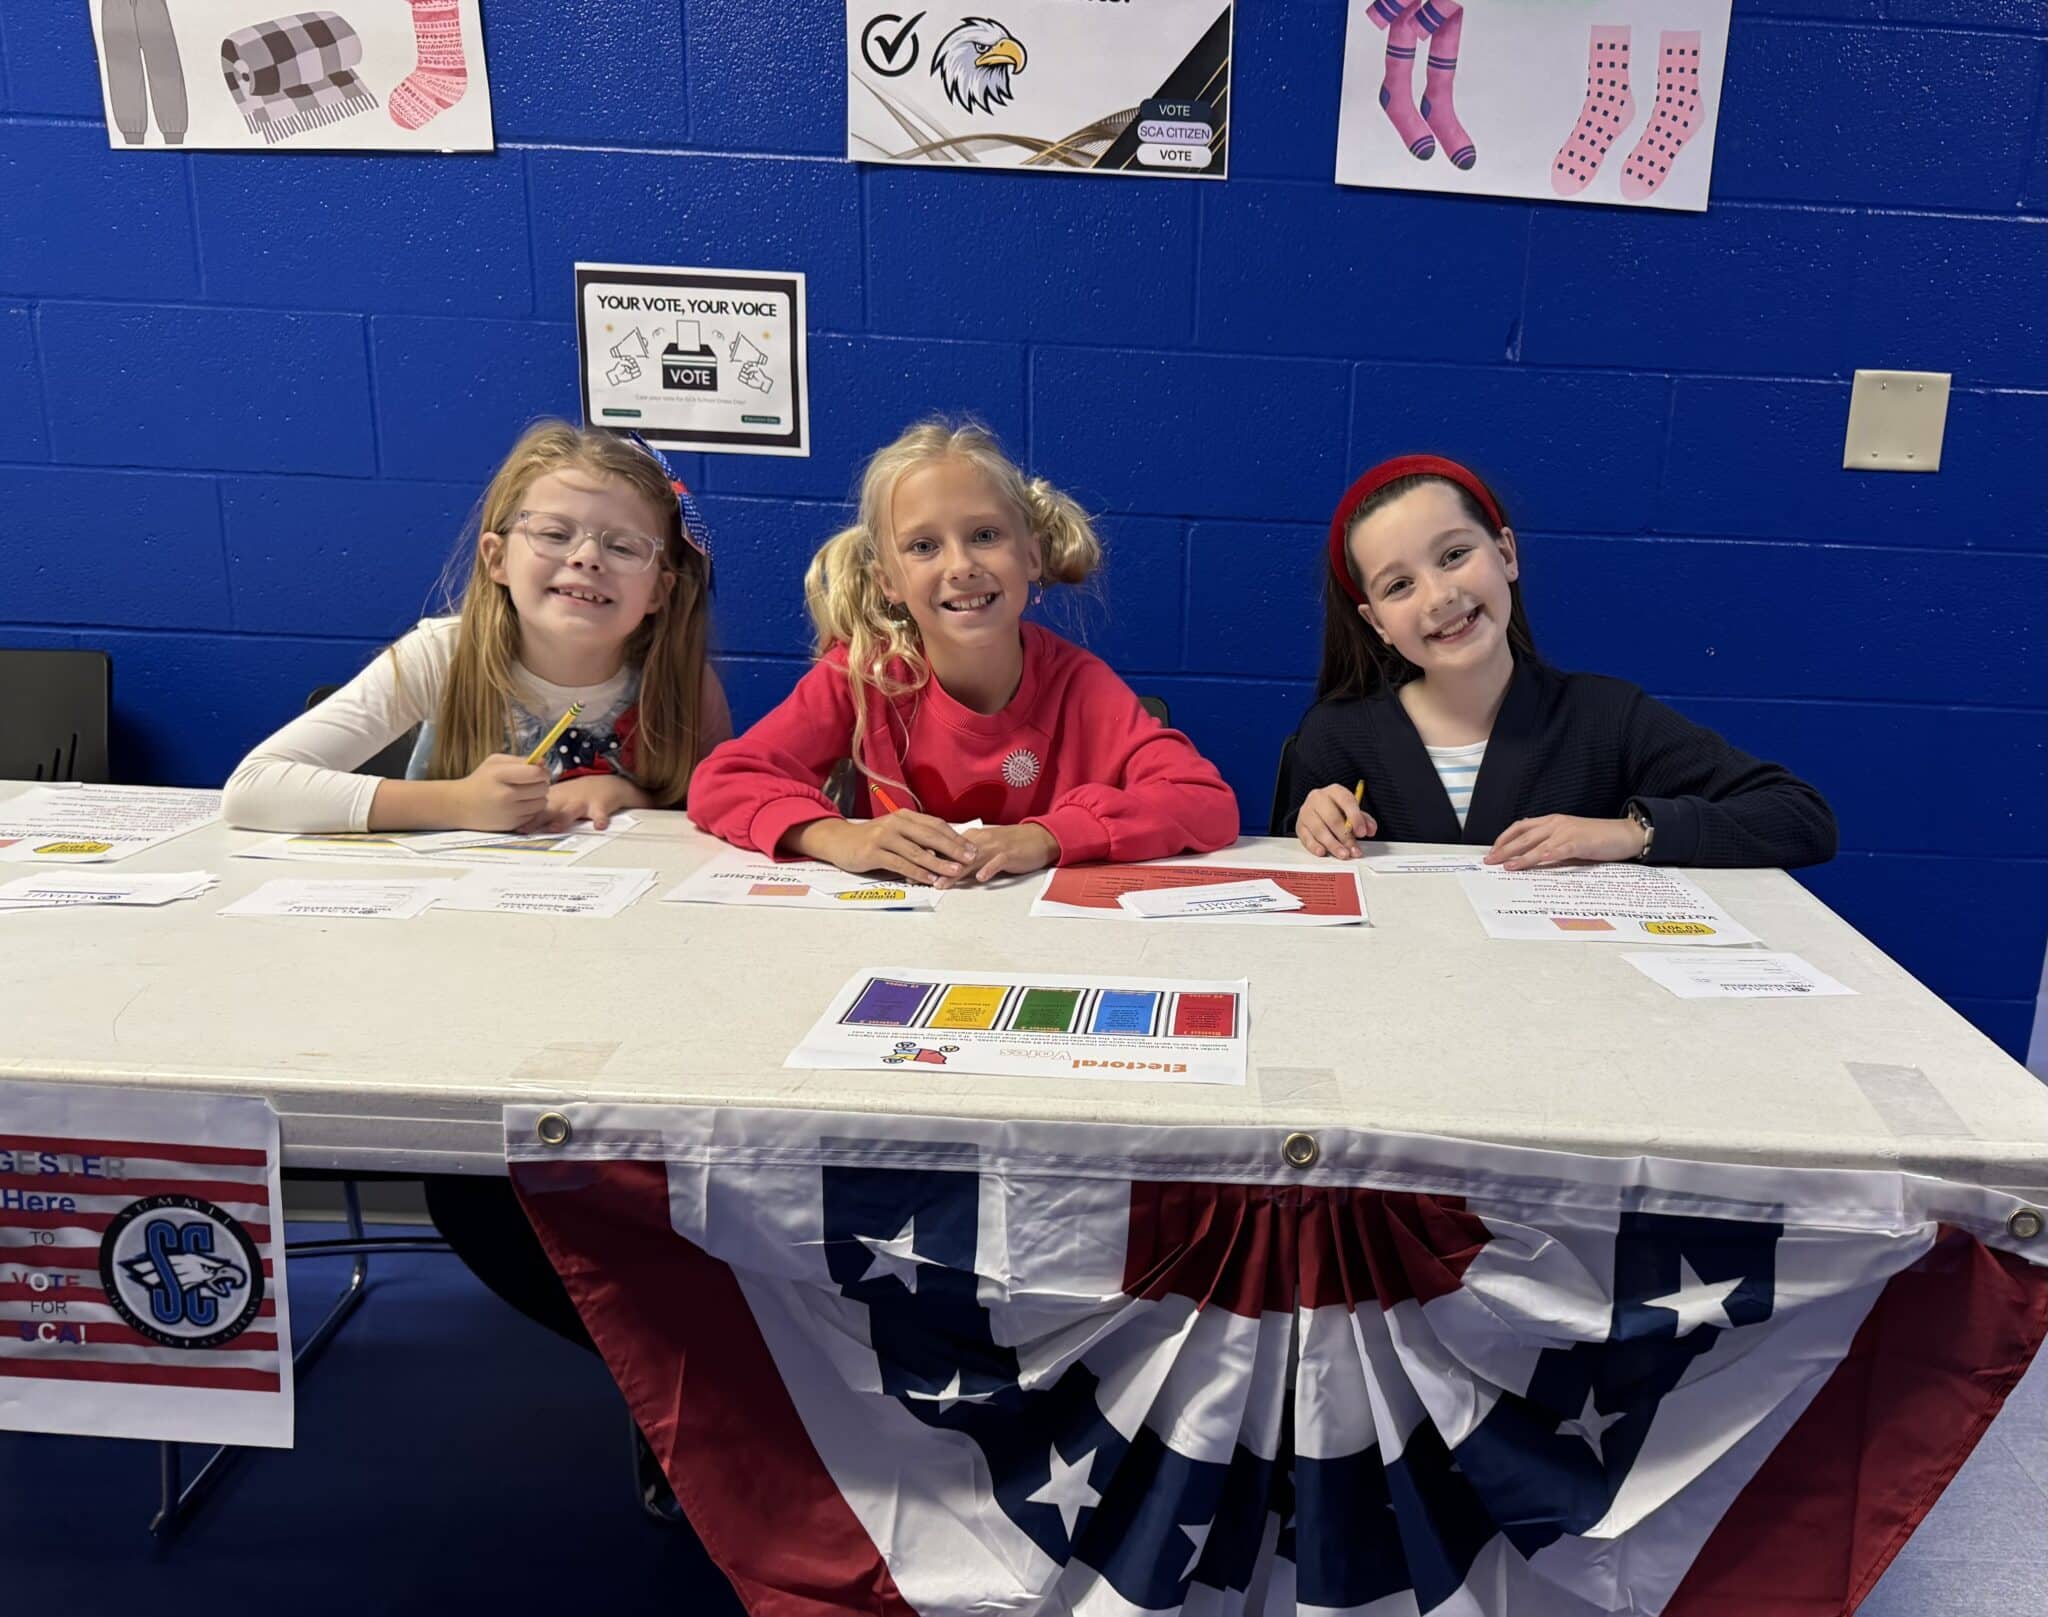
1283	789
55	708
390	764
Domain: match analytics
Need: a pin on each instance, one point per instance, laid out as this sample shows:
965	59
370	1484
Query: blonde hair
669	645
843	584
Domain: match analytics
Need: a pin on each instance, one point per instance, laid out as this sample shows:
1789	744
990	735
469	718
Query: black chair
54	708
1156	706
1283	789
392	761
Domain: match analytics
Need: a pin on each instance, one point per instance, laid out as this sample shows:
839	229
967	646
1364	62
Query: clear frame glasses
557	539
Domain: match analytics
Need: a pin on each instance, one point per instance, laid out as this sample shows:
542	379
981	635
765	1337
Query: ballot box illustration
687	364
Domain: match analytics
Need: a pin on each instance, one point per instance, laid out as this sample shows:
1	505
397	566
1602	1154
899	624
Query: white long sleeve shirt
303	778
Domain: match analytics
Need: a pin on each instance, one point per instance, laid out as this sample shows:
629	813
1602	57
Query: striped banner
141	1267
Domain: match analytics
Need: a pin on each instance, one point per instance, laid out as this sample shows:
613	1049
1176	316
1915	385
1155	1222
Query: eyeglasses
557	539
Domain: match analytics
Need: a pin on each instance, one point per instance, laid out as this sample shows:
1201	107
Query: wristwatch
1635	811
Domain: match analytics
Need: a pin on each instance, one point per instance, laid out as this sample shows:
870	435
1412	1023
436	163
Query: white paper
1129	1029
94	824
61	889
1423	864
1053	86
537	850
342	900
1617	903
114	1159
795	884
199	97
1263	896
1528	83
1734	974
716	360
584	891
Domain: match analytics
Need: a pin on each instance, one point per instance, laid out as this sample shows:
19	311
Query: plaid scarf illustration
295	73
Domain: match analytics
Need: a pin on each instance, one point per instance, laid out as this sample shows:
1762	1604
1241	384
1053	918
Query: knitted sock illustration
1606	113
1675	121
136	39
1397	88
1444	22
434	86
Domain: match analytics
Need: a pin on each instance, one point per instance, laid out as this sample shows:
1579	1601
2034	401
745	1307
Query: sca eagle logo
181	1271
975	62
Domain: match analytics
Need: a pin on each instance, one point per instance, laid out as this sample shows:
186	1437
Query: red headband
1391	471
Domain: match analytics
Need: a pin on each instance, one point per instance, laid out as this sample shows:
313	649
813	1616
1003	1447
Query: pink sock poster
1605	101
256	75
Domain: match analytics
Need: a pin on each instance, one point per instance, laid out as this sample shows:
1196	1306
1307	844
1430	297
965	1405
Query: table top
393	1045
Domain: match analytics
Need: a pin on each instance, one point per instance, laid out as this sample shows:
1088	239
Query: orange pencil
888	803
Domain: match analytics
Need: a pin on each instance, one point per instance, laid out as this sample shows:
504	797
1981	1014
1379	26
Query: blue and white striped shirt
1458	769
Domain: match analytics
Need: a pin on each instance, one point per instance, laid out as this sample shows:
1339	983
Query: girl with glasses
588	583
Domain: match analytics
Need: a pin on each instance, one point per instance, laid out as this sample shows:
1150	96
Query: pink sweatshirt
1073	752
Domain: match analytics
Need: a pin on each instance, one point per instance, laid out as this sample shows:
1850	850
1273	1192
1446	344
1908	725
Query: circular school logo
1021	768
181	1271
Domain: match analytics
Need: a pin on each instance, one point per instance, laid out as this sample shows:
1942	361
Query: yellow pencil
1358	794
547	741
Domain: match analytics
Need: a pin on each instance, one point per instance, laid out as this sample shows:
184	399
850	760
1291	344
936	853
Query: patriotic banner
898	1365
141	1266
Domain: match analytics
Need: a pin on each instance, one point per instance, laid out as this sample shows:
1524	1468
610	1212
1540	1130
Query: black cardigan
1569	744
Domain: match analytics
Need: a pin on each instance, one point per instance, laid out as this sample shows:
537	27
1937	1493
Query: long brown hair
1356	661
669	646
843	584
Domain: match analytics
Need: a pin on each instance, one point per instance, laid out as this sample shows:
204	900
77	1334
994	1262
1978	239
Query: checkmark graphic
889	44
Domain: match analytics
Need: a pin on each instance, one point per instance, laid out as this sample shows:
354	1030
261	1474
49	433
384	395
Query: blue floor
451	1455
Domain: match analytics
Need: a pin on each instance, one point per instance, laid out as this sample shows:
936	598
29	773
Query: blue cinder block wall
246	401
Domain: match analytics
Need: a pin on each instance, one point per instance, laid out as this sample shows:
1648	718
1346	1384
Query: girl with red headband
1436	721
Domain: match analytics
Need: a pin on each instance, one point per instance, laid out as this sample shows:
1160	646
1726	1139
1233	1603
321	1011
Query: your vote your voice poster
708	359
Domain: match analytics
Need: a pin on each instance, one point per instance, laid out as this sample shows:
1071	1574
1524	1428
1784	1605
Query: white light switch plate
1896	421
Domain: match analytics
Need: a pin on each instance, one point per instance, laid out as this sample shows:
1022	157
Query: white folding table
392	1046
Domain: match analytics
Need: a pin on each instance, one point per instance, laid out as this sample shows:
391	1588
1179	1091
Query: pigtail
843	592
1067	539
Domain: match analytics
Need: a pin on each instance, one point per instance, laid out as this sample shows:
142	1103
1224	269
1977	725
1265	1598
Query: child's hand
1331	822
917	847
595	798
1010	850
501	794
1552	839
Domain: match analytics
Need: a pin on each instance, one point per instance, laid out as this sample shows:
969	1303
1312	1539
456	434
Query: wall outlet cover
1896	421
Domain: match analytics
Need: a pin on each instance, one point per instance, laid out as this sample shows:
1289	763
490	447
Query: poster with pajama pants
357	75
1579	100
948	1367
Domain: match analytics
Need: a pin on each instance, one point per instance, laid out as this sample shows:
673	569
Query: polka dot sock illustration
1606	113
1397	88
1444	22
437	83
1676	120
